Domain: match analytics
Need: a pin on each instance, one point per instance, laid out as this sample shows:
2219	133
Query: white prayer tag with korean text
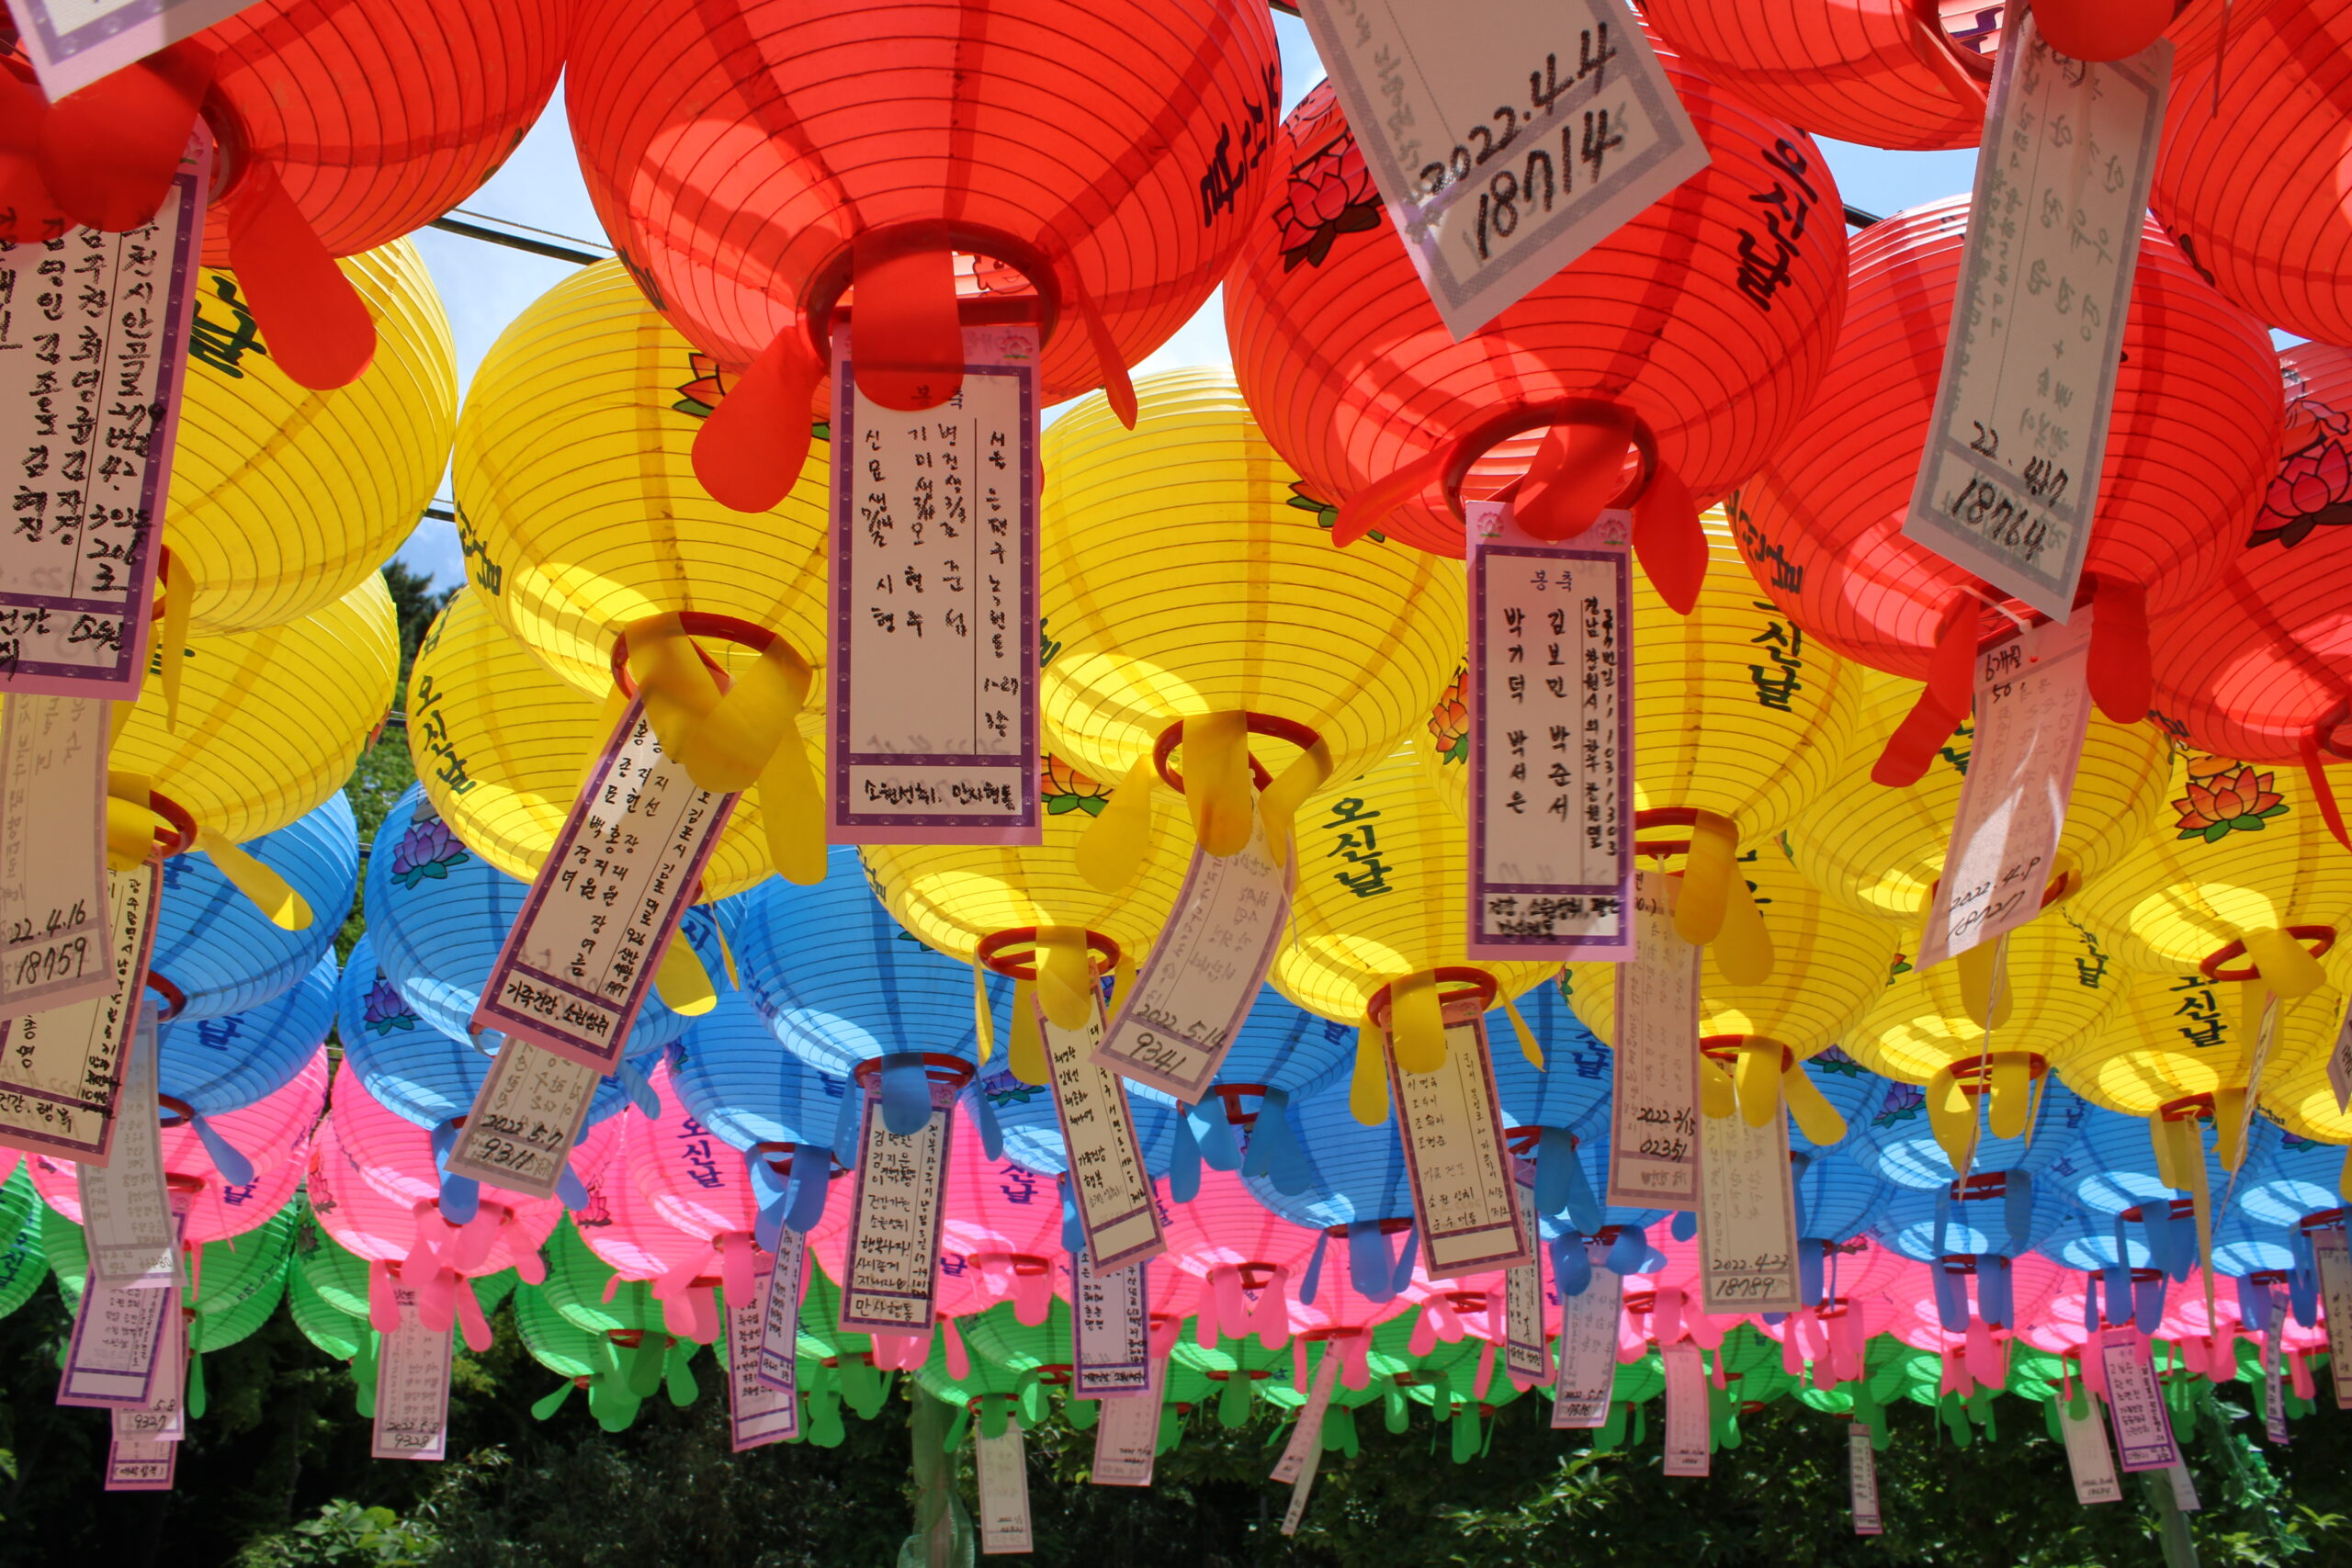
1507	138
1195	993
118	1337
1116	1207
2089	1459
90	405
127	1219
1111	1332
54	945
1861	1465
776	1359
2273	1378
935	735
2009	486
1463	1194
1747	1217
2184	1487
758	1413
2033	707
1550	740
1306	1432
1588	1371
2335	1296
1001	1464
75	42
141	1464
1524	1352
894	1221
2135	1403
525	1119
412	1386
1687	1423
579	960
1654	1114
61	1070
1126	1437
2339	1064
163	1418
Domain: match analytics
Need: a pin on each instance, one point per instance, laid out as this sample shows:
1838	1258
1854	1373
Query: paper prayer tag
777	1360
1862	1464
118	1336
53	947
758	1412
1550	785
934	737
1002	1467
1507	138
127	1215
74	42
1526	1354
1687	1422
2273	1378
2008	487
2033	707
98	327
412	1386
1588	1370
1115	1206
1111	1332
1188	1004
141	1464
2135	1403
1654	1114
2336	1292
2089	1459
61	1070
1126	1437
2339	1064
1464	1193
163	1418
525	1119
1306	1432
894	1221
579	960
1747	1217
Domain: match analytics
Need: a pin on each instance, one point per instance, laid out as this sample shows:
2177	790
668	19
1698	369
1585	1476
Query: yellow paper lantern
1028	912
1188	594
269	724
582	521
283	498
1880	850
501	744
1381	919
2055	984
2301	1099
2237	878
1829	965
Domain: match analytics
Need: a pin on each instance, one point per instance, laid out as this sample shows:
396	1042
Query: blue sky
486	286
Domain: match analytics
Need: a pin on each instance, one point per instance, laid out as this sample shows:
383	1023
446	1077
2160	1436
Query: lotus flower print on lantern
2226	797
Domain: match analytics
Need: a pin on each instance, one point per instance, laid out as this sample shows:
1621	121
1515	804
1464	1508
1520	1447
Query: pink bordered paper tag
61	1070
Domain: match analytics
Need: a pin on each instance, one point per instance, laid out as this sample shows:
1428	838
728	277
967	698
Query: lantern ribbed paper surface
1881	849
2059	984
2253	183
1180	581
2192	443
500	746
283	498
1352	374
1113	154
579	499
2172	1037
270	722
221	953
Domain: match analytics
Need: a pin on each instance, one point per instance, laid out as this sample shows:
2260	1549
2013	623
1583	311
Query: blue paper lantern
1888	1134
215	954
206	1067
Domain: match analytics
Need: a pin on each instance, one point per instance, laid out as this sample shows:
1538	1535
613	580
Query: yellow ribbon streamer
2011	1089
792	811
1951	1117
1282	799
1065	977
1368	1089
2284	964
682	982
1112	850
284	907
1123	976
1717	1097
1984	993
2160	1142
179	595
2189	1154
1216	781
130	822
2229	1122
1417	1022
1756	1077
983	1016
1529	1046
2344	1179
1707	874
608	719
1025	1053
1815	1117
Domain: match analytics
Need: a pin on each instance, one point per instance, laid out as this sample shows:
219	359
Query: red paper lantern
340	125
1910	75
2261	668
2257	185
2191	445
1096	160
1697	330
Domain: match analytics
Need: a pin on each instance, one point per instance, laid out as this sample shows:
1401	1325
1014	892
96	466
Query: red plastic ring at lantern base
630	1338
1024	1264
1466	1302
1724	1050
173	1181
2187	1108
1974	1074
2322	937
837	274
953	1071
1387	1227
1056	1373
1482	985
2324	1220
1255	1374
1172	737
1491	430
1981	1186
182	837
1639	1300
177	1112
1664	817
997	948
1340	1331
1255	1276
174	999
1520	1140
1235	1116
779	1156
696	623
2176	1208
